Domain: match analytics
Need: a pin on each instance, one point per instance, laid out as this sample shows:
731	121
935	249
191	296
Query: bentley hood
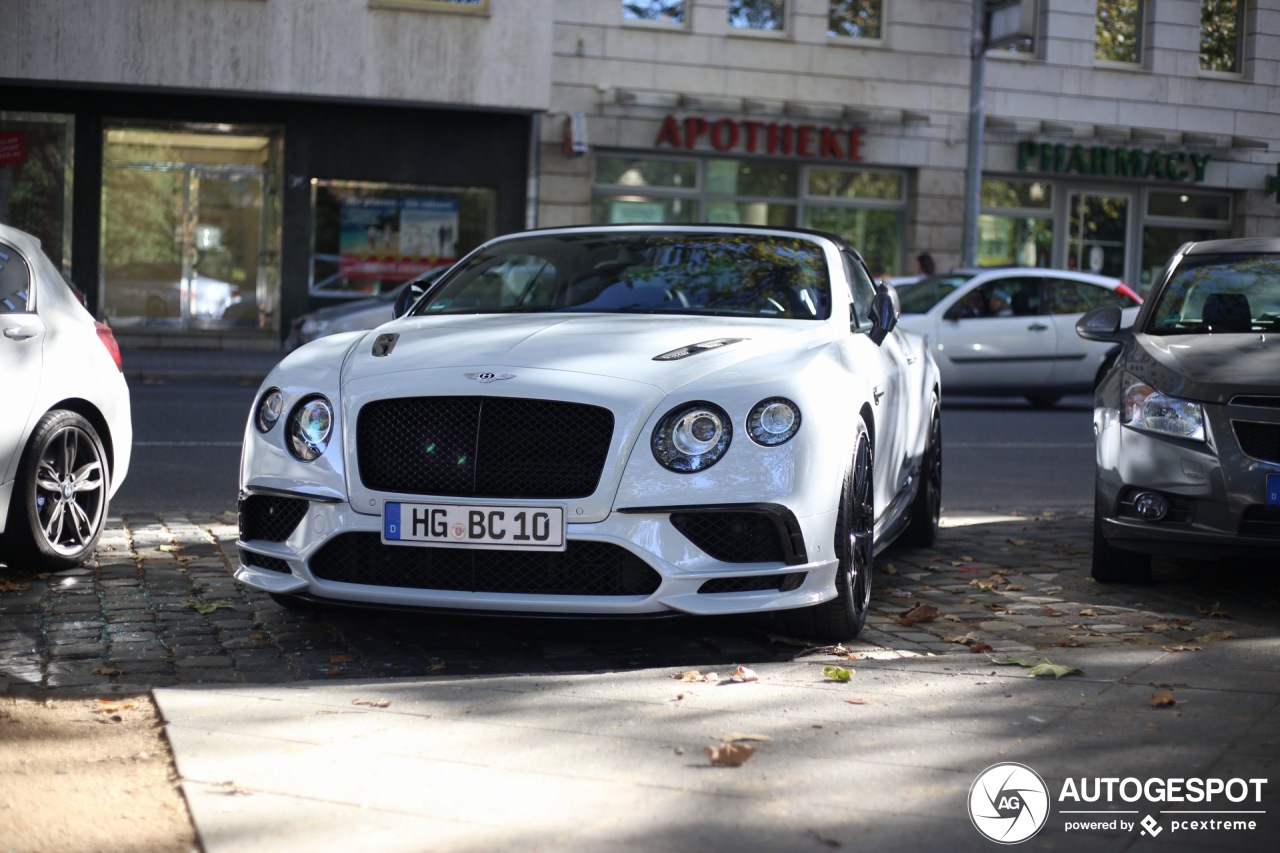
1209	368
666	352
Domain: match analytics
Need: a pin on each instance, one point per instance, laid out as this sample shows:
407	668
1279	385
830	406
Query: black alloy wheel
926	507
842	617
60	498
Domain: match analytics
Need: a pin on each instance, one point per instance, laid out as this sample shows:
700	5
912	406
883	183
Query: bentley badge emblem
489	377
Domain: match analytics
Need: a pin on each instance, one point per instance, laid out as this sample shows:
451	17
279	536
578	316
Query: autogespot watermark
1009	803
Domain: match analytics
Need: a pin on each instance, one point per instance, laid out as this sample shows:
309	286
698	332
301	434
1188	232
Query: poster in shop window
396	238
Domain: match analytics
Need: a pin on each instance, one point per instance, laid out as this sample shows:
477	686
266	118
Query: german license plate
1273	490
518	528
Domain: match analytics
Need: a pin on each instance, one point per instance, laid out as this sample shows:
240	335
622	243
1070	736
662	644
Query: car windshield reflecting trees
730	275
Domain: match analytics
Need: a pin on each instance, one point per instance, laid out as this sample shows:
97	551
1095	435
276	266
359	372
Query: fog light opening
1150	506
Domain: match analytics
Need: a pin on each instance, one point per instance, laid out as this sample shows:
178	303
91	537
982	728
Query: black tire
926	508
841	618
59	502
1044	401
1115	565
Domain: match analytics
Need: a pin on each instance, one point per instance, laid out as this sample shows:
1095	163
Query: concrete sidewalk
618	761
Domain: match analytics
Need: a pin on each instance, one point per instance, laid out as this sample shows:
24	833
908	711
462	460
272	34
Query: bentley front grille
495	447
583	568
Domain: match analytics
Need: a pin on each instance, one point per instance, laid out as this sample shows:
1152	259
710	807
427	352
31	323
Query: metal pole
977	110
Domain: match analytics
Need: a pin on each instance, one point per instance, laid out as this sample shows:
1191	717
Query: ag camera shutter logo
1009	803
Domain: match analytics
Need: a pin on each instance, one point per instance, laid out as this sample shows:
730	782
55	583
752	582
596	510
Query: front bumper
631	563
1216	492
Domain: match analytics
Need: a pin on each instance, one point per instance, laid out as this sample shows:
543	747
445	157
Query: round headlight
310	426
268	411
692	437
773	421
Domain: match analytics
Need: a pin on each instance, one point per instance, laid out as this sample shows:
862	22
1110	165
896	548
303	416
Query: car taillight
1129	292
109	341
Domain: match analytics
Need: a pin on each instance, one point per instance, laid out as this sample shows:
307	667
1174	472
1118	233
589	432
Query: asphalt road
998	454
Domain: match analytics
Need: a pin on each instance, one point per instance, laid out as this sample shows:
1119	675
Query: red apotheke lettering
762	137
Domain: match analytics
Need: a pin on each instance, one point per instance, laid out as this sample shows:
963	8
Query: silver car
358	314
1187	421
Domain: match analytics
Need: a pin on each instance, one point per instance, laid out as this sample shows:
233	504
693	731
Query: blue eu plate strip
391	520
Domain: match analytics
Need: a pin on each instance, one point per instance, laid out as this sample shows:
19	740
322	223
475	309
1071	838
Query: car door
1078	361
993	336
22	335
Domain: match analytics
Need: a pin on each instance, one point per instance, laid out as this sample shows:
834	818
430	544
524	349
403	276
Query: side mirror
1101	324
884	312
409	294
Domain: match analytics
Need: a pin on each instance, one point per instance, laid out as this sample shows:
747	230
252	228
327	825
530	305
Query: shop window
865	207
839	183
767	15
661	11
876	234
370	237
1014	228
35	179
1189	205
858	19
190	226
753	178
1221	26
1118	31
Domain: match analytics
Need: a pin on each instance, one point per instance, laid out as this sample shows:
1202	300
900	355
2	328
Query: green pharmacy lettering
1100	161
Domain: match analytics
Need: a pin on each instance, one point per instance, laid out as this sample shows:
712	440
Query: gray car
1187	421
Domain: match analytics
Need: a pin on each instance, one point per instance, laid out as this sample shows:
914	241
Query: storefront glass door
1097	234
187	236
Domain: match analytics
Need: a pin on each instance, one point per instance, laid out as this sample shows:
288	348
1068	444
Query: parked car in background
1010	331
1187	420
355	315
625	420
156	290
66	434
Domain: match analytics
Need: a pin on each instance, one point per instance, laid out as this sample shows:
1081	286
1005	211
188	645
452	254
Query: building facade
207	170
1115	133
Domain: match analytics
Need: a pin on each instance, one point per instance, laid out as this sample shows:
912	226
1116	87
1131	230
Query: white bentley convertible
626	420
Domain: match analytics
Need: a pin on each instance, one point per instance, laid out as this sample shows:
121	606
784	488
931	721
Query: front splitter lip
1197	543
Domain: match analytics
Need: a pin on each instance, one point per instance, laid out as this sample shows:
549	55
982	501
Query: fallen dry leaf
743	673
1181	647
373	703
980	647
856	701
1162	700
1088	612
1217	635
919	613
729	754
7	585
1049	611
107	670
341	658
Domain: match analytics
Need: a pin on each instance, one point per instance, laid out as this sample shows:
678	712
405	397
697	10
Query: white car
1011	331
66	435
620	420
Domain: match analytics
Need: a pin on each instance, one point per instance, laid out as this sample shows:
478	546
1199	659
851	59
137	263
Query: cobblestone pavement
158	607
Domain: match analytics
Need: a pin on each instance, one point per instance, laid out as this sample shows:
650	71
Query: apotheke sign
761	137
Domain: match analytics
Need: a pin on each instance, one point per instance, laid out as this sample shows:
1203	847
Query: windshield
1220	294
661	273
920	296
